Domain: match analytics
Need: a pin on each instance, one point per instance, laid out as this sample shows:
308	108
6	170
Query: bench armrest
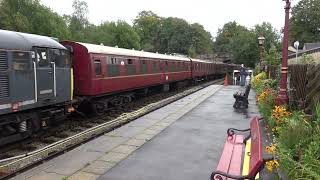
220	174
231	132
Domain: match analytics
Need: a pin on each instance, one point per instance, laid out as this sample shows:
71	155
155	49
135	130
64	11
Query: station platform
182	140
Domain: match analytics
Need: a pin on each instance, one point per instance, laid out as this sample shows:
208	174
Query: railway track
78	130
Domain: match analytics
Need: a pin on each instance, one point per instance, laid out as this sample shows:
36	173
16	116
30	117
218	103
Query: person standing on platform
243	75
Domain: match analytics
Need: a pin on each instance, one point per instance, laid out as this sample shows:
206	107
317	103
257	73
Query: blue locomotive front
35	84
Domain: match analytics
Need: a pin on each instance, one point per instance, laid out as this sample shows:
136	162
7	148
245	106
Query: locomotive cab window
42	57
97	67
61	58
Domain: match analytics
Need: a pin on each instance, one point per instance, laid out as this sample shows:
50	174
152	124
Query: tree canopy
31	17
242	43
305	22
171	35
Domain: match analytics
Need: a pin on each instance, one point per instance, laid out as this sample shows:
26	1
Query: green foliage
297	136
225	36
273	57
242	44
305	22
244	48
171	35
267	84
78	21
307	59
266	107
296	133
119	34
32	17
299	150
271	35
147	25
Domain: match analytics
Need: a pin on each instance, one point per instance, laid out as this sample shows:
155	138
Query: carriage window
112	61
130	61
154	67
42	59
143	67
97	66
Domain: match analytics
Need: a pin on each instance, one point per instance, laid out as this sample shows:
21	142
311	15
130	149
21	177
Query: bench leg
219	175
246	138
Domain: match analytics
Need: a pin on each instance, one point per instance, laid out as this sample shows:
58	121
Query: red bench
230	163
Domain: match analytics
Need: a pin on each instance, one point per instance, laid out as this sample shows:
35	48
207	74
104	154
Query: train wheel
98	108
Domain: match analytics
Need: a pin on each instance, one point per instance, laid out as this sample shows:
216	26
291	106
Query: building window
97	66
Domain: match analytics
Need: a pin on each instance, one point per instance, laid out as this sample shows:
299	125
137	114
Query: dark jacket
243	71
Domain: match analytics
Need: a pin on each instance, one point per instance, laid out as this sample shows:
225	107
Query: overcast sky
212	14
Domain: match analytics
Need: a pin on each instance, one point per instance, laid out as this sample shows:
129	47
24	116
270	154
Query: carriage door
45	74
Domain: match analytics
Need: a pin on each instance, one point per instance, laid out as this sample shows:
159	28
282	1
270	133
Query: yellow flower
271	149
269	166
276	163
272	164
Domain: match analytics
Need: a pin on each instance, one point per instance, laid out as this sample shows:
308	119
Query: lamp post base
282	98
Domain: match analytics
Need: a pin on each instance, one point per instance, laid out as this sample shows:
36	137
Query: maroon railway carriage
101	70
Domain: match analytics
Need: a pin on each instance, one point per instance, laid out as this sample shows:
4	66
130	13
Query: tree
272	37
118	33
225	35
31	17
147	25
273	56
305	22
242	44
244	48
172	35
78	21
201	40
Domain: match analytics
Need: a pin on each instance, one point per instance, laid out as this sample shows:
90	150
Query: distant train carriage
34	72
100	71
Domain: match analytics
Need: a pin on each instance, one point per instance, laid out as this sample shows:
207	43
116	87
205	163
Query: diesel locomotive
42	80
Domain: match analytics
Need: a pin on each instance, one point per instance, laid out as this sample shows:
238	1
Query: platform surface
190	148
182	140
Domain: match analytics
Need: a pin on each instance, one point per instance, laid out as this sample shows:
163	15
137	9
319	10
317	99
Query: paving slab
113	157
83	176
125	149
47	176
190	147
98	167
136	142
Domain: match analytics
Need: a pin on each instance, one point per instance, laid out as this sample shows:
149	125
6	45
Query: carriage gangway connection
182	140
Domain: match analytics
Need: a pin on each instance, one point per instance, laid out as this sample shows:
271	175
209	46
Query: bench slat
246	161
228	151
236	161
